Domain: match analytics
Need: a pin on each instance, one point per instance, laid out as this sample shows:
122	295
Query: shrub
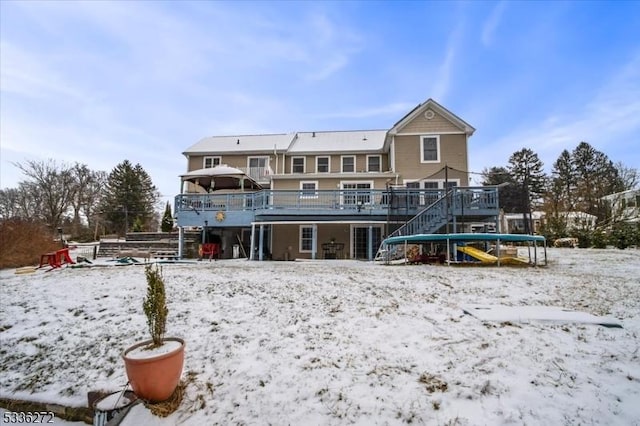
154	305
623	235
23	241
584	238
600	239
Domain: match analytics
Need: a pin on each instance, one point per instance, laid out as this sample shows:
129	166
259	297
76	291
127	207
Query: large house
333	194
624	206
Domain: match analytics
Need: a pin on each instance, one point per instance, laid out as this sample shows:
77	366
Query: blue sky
99	82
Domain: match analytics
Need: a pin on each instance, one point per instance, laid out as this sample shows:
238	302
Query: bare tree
55	185
85	196
9	205
629	176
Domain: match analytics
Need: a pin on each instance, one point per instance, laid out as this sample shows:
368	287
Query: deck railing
396	201
456	202
307	199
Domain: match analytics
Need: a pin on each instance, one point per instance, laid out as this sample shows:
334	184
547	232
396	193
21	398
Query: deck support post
253	239
180	242
261	244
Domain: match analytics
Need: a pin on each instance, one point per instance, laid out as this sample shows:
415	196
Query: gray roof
301	142
241	143
339	141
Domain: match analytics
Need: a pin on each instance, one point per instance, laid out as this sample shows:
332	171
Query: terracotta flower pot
152	376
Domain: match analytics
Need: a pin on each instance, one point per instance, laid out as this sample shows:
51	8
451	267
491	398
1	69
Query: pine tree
508	193
167	219
560	195
129	196
527	172
596	176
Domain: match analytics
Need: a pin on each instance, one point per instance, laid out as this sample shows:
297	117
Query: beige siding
453	153
437	124
286	239
197	162
326	183
335	162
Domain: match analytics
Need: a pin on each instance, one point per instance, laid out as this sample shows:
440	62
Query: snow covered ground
340	342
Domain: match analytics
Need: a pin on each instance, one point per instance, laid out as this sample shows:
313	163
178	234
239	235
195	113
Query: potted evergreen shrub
154	366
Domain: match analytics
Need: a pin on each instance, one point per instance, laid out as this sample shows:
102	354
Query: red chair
63	256
56	259
210	250
50	259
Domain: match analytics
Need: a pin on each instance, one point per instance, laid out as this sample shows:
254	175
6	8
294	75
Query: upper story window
374	163
209	162
348	164
297	164
322	165
258	168
430	149
440	184
258	162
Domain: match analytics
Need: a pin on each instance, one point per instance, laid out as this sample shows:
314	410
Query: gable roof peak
432	104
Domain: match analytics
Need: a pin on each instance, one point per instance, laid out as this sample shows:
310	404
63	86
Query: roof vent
238	142
364	137
313	134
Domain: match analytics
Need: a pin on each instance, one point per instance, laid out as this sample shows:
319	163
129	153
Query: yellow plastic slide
478	254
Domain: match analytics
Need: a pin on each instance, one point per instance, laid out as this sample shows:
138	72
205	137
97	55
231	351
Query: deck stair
455	203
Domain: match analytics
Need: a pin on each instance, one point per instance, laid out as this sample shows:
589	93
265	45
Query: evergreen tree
167	219
560	195
527	172
508	193
564	179
130	196
596	176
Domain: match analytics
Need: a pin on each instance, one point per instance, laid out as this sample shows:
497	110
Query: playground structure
462	249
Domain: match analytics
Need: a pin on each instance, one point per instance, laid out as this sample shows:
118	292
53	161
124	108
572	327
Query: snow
144	352
340	342
535	313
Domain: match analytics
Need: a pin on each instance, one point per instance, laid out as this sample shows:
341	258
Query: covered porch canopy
220	177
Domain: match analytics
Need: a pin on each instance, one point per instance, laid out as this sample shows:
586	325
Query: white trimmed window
297	164
306	239
440	183
348	163
374	163
323	165
430	149
257	162
309	189
361	195
209	162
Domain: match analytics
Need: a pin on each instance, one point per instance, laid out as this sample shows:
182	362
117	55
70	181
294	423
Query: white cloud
391	110
29	74
610	122
491	24
447	68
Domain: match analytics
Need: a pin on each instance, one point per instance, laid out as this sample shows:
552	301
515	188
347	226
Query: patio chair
211	250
